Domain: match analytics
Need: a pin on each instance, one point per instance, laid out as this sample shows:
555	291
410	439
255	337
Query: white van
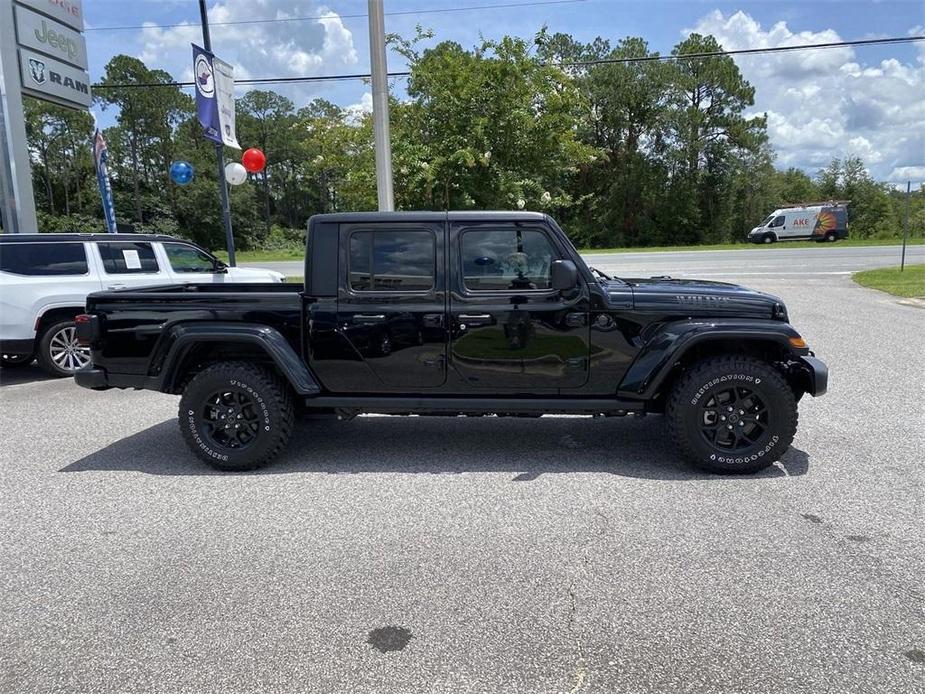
45	280
818	222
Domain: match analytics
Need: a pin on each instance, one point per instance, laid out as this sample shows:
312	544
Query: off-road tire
689	399
271	402
44	353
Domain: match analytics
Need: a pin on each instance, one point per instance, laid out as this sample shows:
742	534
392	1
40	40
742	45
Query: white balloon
235	173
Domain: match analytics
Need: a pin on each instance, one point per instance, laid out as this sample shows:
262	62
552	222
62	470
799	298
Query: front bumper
815	376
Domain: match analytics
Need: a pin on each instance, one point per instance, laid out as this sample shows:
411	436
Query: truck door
391	304
508	329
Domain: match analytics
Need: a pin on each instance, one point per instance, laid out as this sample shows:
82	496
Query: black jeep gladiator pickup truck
459	313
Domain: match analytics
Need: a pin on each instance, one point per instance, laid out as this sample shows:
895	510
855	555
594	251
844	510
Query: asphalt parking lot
475	555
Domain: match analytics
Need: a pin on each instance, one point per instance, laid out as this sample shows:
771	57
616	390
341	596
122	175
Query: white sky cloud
269	49
828	103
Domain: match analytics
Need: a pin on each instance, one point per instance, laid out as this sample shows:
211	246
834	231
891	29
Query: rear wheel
732	415
236	416
59	353
831	237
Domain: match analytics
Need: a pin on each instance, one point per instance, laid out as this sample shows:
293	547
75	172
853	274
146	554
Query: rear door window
37	259
127	257
396	261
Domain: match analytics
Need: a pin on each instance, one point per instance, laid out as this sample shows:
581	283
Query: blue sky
867	101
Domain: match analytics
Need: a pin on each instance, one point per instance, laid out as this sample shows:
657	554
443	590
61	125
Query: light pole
380	106
219	150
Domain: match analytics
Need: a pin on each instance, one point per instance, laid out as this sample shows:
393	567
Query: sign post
43	54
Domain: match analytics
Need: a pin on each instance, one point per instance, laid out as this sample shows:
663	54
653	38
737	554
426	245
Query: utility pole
219	151
902	264
380	106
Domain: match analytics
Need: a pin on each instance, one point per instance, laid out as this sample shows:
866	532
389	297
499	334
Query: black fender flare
181	338
672	340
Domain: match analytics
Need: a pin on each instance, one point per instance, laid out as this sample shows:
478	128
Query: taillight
86	328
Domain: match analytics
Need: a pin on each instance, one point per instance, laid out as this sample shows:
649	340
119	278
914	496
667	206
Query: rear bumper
93	378
98	378
816	376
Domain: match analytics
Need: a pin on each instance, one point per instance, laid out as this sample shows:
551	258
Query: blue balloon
181	172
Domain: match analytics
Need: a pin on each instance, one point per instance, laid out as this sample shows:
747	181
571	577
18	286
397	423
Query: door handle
474	319
369	318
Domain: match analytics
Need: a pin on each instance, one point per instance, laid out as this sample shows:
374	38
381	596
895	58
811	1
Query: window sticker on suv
123	257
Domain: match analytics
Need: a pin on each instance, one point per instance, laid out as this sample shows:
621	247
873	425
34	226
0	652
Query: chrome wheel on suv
59	352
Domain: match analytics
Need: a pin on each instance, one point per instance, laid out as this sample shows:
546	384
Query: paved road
828	259
553	555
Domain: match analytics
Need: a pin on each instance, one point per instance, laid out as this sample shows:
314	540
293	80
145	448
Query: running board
381	404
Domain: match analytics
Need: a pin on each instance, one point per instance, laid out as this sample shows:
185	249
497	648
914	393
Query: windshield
767	221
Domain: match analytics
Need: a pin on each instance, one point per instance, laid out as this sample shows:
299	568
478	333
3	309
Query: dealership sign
67	12
52	80
42	34
52	51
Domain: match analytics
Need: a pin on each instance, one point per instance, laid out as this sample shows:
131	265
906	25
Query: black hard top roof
78	237
434	216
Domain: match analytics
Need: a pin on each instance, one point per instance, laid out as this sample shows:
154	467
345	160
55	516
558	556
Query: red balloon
254	160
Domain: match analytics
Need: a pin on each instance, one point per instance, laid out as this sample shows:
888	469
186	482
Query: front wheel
236	416
732	415
769	238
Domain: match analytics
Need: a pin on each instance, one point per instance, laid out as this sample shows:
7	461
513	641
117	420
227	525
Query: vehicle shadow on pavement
524	448
24	374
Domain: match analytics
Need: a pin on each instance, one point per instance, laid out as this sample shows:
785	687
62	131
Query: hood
691	297
250	274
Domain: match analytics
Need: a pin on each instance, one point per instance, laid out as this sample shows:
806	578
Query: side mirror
563	274
219	267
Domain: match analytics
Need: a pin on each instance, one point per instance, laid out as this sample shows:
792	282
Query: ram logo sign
37	70
54	80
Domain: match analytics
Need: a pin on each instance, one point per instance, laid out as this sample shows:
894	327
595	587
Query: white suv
45	280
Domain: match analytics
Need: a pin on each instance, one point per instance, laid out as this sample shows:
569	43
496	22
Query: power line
587	63
748	51
440	10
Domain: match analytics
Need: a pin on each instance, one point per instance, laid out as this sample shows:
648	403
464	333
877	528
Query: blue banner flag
100	155
214	97
206	106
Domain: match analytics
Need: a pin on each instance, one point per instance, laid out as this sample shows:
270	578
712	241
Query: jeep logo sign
54	40
53	80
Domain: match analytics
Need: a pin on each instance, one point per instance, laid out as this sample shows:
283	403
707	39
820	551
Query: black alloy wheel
230	419
734	418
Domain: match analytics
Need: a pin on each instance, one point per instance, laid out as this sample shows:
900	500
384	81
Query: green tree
146	122
266	120
492	126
